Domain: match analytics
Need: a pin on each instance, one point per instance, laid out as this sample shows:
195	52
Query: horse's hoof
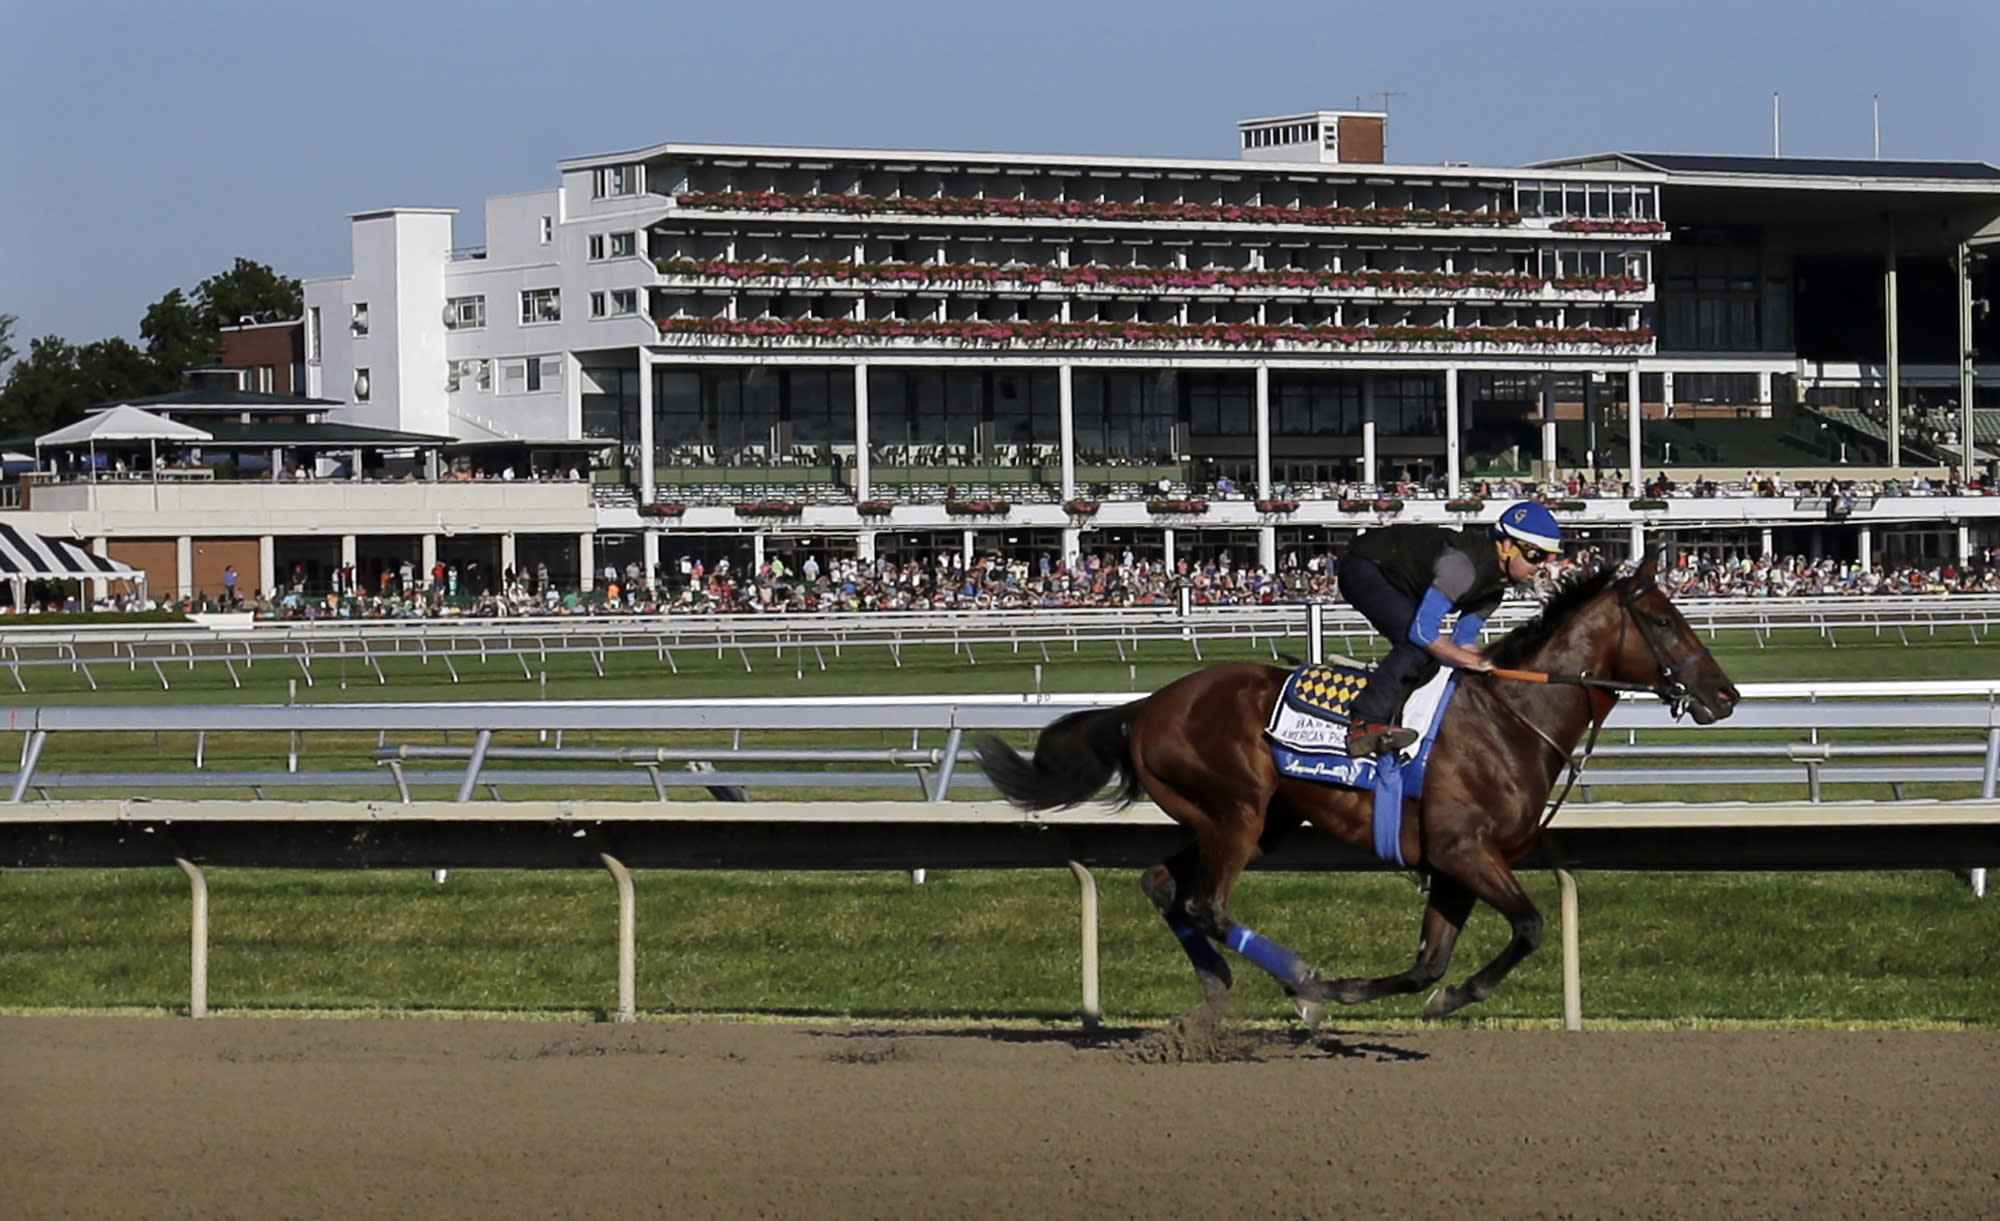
1445	1000
1310	1010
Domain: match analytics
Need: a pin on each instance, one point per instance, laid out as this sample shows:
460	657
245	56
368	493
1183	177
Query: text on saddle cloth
1311	712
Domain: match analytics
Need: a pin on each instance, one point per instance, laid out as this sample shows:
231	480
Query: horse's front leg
1444	918
1487	876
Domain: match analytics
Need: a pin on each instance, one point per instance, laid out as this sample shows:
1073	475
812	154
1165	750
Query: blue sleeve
1466	630
1430	617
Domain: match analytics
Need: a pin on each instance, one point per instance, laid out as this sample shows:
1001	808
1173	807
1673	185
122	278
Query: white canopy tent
123	423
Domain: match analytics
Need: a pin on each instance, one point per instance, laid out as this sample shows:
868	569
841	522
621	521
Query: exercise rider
1406	579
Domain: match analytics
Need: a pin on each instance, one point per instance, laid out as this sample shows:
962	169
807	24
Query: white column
1638	540
350	555
862	470
1893	369
1263	432
756	553
648	476
1764	395
267	562
1066	419
586	552
1964	542
1267	548
1764	540
965	549
1549	470
184	567
1072	545
509	555
1867	548
1167	546
864	546
426	557
1368	428
1451	432
649	555
1667	394
1634	450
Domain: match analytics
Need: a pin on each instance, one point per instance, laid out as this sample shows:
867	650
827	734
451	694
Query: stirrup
1378	739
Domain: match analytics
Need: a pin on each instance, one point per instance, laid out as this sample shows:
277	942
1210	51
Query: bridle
1672	685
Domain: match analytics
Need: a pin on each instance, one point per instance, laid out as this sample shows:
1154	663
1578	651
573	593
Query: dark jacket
1408	556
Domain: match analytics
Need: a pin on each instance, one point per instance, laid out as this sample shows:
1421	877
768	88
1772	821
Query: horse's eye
1663	621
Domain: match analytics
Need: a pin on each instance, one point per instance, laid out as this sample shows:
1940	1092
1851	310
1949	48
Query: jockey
1405	579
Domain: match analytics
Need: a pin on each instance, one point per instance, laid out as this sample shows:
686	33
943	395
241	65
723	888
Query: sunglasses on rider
1533	554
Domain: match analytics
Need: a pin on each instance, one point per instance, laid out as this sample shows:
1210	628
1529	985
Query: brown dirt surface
267	1118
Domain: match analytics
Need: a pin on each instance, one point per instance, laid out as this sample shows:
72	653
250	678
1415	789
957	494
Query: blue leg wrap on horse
1200	950
1267	954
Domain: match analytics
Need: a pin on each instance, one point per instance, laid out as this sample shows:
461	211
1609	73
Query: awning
25	555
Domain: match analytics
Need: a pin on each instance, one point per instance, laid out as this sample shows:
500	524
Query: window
624	245
548	229
312	334
362	385
612	180
624	301
596	246
465	313
357	321
597	305
541	305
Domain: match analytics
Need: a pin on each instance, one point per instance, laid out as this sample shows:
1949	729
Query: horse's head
1657	646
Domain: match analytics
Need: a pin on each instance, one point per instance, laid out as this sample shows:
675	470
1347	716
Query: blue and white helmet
1530	523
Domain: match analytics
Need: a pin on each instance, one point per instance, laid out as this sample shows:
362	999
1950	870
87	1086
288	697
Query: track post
197	938
627	948
1572	969
1093	1014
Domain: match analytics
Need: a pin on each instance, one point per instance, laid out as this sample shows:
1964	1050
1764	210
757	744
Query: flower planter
1090	209
1385	505
1465	506
1277	506
875	508
1648	505
1217	334
1081	508
771	508
977	508
1176	506
1566	506
663	509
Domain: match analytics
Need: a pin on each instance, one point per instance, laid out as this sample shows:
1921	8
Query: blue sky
148	143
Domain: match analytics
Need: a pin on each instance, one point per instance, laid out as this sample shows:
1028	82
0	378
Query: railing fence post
627	941
1571	953
197	939
1086	884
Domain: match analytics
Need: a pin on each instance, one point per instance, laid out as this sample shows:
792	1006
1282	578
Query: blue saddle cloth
1310	744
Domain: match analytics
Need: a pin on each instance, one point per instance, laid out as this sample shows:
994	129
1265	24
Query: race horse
1196	747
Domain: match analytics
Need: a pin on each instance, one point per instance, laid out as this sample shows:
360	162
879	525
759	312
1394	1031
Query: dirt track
265	1118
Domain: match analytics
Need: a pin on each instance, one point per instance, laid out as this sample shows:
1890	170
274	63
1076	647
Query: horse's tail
1073	759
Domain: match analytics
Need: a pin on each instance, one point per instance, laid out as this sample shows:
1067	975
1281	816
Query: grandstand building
870	351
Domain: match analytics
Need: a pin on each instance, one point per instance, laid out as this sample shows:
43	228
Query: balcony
336	506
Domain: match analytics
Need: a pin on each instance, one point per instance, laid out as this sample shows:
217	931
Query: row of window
538	305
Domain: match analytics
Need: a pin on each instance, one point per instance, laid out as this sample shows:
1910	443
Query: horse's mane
1571	592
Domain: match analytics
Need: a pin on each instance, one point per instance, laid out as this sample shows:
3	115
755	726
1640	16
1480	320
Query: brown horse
1196	746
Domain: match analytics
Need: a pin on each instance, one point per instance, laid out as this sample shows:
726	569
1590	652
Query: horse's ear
1649	566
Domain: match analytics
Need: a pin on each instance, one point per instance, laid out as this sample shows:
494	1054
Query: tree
248	291
57	380
178	335
7	352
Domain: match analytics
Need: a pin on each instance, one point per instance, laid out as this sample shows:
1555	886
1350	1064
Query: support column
649	556
1451	433
1167	545
1635	450
1867	550
586	550
184	567
1967	370
1072	545
1549	468
756	554
1263	432
863	469
864	546
965	549
1267	548
1368	472
1637	539
350	555
267	563
1964	543
648	474
427	556
509	555
1066	422
1764	540
1893	367
1667	394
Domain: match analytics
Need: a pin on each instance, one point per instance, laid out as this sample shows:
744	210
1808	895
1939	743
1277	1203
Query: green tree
53	384
179	335
251	291
7	352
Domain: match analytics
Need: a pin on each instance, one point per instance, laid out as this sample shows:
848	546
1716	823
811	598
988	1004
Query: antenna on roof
1384	94
1878	127
1776	143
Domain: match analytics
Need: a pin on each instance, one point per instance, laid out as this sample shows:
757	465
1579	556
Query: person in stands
1406	579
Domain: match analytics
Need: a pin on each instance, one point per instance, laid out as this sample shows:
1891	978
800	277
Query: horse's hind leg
1169	885
1444	918
1488	877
